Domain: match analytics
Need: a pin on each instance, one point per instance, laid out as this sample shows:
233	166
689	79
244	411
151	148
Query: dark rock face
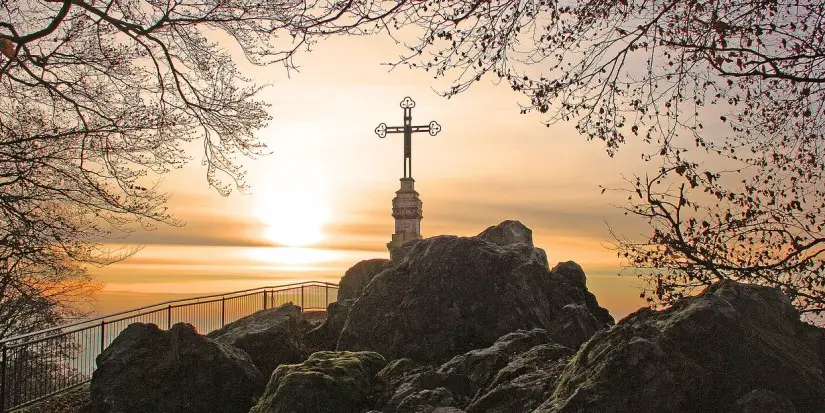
516	374
572	272
479	368
403	388
734	348
515	236
453	294
328	381
479	325
149	370
524	383
358	276
507	233
764	401
325	336
271	337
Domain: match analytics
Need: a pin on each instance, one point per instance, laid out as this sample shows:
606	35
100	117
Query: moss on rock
328	381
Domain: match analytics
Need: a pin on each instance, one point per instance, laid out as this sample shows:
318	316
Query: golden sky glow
321	201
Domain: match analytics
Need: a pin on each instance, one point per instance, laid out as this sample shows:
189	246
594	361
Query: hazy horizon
322	200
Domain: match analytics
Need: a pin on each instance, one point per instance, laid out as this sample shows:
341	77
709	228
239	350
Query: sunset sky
322	200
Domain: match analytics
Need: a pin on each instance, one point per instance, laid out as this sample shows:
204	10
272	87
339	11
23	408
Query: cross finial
382	130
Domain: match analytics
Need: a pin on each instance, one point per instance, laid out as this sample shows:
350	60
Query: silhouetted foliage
97	99
727	97
42	368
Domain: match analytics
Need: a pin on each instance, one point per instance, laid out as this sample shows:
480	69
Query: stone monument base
407	211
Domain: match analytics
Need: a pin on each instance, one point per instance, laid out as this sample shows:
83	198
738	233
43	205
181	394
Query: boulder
481	366
401	388
764	401
516	236
524	383
325	336
733	348
149	370
426	401
572	272
328	381
400	252
508	232
358	276
453	294
817	335
394	379
516	374
515	354
271	337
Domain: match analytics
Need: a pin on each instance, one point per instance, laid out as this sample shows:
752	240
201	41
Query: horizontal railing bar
115	320
84	341
49	395
92	326
164	303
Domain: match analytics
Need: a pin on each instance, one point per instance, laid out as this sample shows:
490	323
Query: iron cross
382	130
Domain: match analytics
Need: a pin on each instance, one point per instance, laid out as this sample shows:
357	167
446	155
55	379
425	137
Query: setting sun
294	209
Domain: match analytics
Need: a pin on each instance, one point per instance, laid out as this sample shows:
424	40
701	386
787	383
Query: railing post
3	379
102	335
223	311
326	291
13	360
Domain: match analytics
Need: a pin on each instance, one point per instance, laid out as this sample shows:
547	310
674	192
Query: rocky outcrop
524	383
325	336
271	337
403	386
358	276
514	235
478	368
481	325
734	348
517	373
453	294
764	401
328	381
149	370
494	377
508	232
585	302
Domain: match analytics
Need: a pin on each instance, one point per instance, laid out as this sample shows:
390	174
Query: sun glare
293	255
294	209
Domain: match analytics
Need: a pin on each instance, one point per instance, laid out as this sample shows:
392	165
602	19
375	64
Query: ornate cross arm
382	130
408	129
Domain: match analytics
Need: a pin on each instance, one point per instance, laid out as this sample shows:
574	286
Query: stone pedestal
406	209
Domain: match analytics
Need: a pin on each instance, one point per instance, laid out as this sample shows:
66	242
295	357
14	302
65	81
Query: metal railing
41	364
